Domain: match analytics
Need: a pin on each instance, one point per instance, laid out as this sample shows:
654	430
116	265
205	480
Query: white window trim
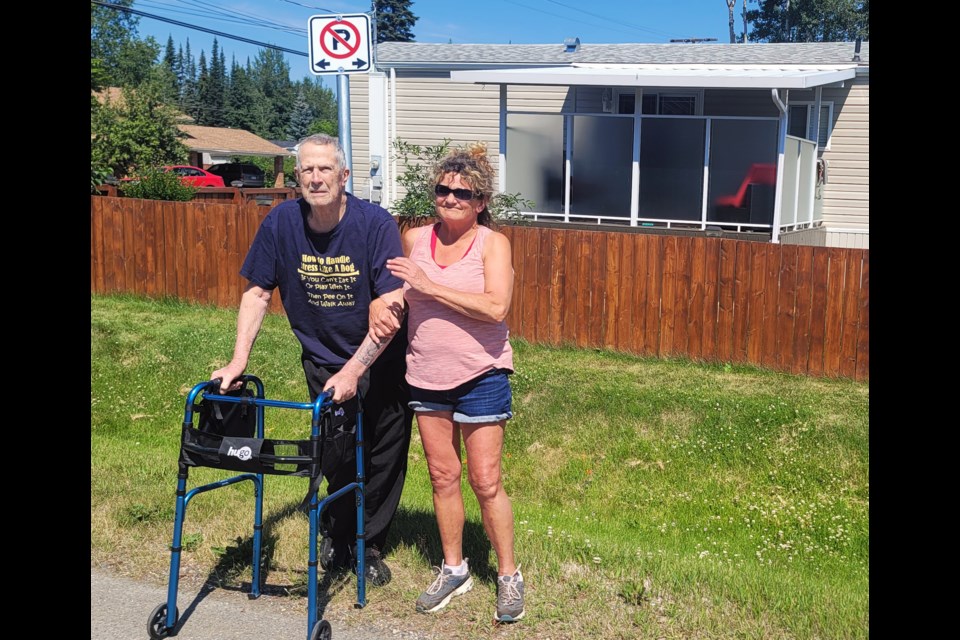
824	144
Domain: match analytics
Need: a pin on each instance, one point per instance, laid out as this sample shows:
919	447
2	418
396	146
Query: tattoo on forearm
369	354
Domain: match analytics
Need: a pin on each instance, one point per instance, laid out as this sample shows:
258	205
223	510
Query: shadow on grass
235	559
418	528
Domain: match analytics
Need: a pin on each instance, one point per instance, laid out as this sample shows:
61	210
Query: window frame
696	94
822	145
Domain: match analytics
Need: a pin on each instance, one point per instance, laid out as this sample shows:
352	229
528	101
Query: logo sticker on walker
339	412
244	453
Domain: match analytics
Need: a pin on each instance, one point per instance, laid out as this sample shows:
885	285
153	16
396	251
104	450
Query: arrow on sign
323	64
359	63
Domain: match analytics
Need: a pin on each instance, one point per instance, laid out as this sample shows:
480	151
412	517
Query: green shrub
419	204
157	184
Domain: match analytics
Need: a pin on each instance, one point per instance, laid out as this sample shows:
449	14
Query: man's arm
344	382
253	309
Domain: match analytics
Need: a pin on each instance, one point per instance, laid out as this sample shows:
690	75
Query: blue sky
284	22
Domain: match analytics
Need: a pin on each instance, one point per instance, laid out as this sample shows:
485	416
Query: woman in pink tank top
458	279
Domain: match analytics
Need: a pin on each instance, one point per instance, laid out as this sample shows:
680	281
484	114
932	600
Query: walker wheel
322	631
157	624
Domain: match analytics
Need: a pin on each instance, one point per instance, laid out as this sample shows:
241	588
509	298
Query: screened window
666	104
800	122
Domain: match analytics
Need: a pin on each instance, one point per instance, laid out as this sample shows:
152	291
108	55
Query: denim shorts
484	399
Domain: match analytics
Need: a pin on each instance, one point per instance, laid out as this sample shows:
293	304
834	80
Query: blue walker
229	435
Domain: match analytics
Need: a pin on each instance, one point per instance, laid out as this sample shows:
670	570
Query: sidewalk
120	608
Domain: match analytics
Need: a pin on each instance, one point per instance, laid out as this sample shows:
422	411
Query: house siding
846	194
429	108
360	122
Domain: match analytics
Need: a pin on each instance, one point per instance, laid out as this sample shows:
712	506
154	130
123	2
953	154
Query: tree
393	20
300	118
730	5
136	132
810	20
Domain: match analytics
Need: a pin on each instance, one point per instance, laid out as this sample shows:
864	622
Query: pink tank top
447	348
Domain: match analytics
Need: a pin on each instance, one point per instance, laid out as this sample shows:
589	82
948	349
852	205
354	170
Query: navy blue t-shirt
326	280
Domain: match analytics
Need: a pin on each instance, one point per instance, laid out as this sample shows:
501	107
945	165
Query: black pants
386	432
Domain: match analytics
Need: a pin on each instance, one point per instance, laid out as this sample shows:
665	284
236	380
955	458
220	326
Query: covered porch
707	149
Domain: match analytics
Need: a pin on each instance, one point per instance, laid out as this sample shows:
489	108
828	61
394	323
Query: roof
689	75
235	141
412	54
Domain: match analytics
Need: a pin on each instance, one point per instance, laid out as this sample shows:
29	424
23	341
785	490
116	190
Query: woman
458	280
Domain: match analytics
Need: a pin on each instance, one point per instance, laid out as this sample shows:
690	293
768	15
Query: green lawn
652	499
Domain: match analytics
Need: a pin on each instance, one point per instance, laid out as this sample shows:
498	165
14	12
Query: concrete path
120	608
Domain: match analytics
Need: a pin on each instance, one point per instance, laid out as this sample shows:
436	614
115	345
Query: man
326	253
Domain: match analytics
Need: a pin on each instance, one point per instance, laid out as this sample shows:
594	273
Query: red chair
759	173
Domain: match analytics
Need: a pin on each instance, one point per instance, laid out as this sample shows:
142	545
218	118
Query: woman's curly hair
473	165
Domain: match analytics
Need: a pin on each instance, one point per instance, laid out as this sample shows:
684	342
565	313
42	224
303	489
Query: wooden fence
789	308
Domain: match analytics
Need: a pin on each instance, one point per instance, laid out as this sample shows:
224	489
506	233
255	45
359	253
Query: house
215	145
764	139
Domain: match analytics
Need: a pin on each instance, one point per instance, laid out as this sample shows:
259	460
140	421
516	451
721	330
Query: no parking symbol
339	44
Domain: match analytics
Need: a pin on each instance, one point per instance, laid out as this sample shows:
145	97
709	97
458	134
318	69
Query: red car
195	175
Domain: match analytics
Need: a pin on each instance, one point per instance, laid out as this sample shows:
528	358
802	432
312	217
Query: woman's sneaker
443	589
509	598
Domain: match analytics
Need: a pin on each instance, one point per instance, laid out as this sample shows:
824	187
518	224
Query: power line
199	28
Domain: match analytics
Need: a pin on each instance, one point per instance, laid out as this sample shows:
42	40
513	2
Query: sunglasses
459	194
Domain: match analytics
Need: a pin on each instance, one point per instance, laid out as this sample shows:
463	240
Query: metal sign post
340	44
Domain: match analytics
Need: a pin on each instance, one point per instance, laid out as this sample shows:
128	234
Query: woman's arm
490	306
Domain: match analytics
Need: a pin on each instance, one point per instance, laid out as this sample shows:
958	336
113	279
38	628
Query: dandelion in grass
596	559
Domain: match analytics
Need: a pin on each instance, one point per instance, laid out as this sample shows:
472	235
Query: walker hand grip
214	385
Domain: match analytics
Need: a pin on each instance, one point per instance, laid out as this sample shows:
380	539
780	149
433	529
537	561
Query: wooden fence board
531	282
113	245
571	286
544	283
681	309
848	336
711	289
613	287
97	261
771	261
668	301
786	307
513	313
139	255
558	286
653	293
150	249
726	289
171	226
863	329
626	297
818	310
741	296
597	265
804	313
585	290
833	325
697	270
756	299
128	245
638	321
230	267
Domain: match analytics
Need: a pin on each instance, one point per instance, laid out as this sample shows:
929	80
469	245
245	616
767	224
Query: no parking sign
339	43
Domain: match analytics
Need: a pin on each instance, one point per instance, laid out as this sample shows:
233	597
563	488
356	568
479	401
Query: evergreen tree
190	94
394	20
202	114
300	117
241	98
172	62
809	20
271	77
323	103
215	94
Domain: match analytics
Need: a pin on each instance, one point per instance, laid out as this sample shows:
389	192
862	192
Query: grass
652	498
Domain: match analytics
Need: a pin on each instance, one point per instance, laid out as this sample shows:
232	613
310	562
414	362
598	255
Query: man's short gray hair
324	140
